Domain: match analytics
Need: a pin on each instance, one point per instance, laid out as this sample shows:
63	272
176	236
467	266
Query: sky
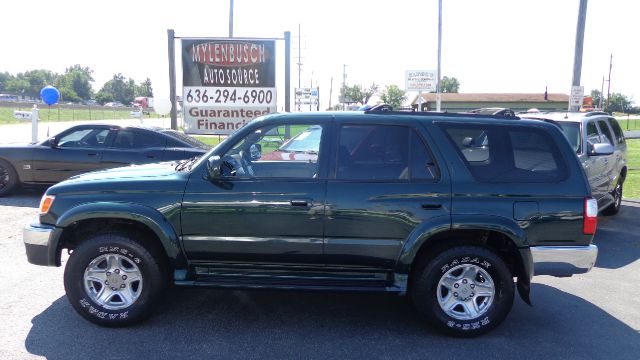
492	46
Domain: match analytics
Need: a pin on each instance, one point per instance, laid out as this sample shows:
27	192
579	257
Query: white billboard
420	80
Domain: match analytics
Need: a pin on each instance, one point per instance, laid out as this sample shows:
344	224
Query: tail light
590	216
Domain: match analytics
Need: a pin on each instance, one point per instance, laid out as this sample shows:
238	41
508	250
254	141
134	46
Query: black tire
8	178
493	309
129	257
617	201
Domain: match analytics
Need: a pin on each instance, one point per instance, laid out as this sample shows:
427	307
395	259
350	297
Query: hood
129	179
129	173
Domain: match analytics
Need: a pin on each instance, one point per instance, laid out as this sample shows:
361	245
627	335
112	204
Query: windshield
306	141
572	132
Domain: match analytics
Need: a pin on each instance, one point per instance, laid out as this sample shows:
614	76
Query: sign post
34	123
226	83
420	80
577	95
307	96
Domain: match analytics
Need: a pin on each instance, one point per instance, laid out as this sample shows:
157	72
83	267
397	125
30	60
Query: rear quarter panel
547	213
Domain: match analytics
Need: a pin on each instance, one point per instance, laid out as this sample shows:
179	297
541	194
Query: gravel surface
590	316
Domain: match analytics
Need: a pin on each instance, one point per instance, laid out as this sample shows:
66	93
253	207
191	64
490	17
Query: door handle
151	157
299	202
92	154
431	206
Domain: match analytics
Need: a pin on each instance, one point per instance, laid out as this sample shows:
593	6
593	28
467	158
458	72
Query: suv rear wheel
113	280
465	291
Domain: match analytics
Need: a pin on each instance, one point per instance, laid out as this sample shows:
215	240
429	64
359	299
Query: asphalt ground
590	316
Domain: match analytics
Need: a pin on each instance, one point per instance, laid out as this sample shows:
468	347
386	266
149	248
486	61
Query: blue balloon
50	95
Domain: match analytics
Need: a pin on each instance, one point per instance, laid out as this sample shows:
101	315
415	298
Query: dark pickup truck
454	210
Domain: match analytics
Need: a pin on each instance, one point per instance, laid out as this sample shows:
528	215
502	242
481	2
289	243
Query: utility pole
330	92
609	81
287	71
230	18
577	58
299	64
438	96
601	94
172	77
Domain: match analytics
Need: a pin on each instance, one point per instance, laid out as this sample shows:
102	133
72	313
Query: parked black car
447	208
91	147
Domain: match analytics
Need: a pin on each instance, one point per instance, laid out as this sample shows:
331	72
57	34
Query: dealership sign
226	83
420	80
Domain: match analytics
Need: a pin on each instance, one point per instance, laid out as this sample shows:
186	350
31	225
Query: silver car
599	143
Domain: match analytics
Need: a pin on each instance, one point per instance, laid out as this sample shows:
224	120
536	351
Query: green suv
454	210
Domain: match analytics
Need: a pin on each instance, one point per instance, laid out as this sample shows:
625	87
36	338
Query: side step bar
285	280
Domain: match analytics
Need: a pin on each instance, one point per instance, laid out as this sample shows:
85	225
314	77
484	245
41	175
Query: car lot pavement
590	316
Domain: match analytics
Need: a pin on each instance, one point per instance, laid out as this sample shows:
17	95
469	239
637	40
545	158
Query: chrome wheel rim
617	193
113	281
466	292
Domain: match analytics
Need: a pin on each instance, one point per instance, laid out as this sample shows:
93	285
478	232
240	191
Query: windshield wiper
187	163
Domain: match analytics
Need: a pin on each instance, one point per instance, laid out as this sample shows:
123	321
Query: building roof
493	97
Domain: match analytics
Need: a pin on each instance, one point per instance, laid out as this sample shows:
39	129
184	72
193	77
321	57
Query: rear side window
373	152
128	139
617	130
494	153
605	131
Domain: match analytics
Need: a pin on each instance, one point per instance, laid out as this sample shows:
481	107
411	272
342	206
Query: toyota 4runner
454	210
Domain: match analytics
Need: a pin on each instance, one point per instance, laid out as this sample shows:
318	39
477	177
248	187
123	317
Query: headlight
45	203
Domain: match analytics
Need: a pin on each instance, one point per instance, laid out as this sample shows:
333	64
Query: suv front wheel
113	280
465	291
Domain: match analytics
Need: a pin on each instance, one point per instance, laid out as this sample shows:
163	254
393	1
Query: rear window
617	131
185	138
495	153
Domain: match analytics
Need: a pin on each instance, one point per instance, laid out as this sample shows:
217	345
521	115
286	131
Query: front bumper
563	260
38	242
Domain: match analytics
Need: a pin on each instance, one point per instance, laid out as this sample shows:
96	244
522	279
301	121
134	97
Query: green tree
5	78
449	85
393	95
117	89
145	88
619	102
104	97
596	95
358	94
31	82
79	79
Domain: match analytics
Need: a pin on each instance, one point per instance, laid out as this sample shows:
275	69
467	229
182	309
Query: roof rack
380	107
593	113
438	114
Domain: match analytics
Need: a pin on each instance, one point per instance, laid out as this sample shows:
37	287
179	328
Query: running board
289	280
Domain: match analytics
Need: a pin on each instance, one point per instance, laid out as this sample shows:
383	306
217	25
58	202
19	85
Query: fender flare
425	233
149	217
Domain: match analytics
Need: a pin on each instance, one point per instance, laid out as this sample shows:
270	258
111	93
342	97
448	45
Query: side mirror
53	142
213	167
256	152
601	149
